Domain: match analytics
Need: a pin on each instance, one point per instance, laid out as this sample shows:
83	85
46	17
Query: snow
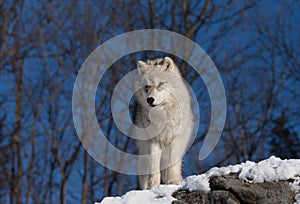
297	198
269	170
158	194
273	169
201	182
296	187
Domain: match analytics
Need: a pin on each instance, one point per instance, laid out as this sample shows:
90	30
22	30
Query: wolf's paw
175	181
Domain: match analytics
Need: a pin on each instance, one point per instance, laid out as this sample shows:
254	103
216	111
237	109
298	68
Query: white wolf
164	111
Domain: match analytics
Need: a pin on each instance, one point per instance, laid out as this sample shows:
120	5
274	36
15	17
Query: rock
253	193
187	197
230	189
220	196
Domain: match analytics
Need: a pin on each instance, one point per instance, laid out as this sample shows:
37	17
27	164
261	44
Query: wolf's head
156	81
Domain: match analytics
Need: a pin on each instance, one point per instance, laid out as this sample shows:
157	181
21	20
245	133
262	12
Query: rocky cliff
269	181
229	189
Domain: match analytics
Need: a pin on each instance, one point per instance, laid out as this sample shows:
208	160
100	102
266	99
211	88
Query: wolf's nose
150	100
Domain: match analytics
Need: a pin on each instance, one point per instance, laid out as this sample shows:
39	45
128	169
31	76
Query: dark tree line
255	46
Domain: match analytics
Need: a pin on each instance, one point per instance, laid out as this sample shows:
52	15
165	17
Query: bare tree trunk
84	179
12	179
63	189
32	163
18	72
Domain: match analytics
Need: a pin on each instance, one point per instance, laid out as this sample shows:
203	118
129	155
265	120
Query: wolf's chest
169	126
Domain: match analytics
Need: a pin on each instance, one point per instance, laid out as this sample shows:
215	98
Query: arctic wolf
165	119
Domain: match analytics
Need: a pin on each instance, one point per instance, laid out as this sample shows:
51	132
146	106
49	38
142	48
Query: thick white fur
172	115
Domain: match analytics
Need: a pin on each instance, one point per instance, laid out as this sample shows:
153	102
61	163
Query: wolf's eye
159	87
160	84
146	88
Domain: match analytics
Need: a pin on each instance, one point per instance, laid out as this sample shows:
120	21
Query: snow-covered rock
270	170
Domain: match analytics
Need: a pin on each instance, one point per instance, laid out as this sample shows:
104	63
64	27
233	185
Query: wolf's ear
169	64
142	66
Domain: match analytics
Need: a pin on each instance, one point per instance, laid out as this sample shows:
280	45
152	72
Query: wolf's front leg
155	165
143	181
148	181
149	163
143	164
172	175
